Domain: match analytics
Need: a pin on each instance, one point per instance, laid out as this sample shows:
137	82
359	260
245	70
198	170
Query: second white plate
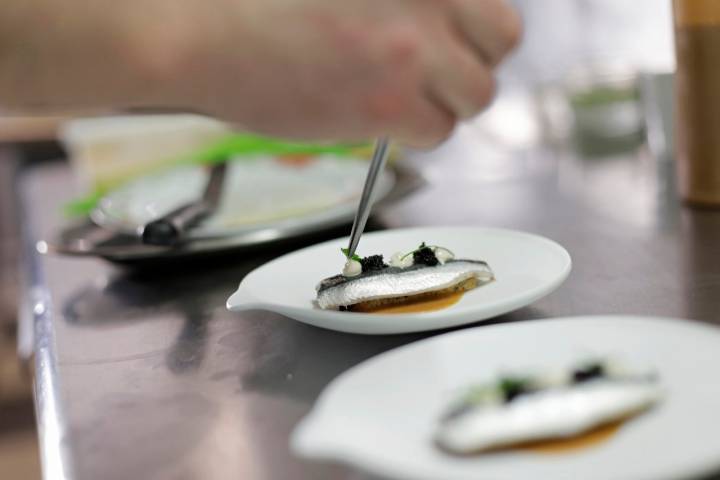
527	267
380	415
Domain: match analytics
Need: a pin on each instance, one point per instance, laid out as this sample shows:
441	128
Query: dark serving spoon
171	228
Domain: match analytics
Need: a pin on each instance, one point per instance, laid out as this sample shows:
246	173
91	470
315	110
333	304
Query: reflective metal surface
152	378
35	319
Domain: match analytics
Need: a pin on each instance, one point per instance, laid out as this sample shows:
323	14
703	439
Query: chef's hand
352	69
324	69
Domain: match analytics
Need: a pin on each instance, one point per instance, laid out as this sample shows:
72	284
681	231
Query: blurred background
591	76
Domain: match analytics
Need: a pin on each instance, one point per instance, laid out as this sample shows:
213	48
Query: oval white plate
527	267
380	415
259	192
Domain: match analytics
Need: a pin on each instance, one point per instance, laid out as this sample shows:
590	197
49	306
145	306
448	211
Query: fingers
459	64
443	72
451	84
491	27
423	124
459	80
404	104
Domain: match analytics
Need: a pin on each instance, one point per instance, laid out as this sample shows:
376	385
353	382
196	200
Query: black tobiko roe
589	372
424	255
373	262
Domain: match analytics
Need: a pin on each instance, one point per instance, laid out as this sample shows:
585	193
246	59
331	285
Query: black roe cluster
588	372
425	256
512	388
372	263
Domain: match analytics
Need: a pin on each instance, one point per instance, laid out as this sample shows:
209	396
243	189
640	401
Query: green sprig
422	245
355	256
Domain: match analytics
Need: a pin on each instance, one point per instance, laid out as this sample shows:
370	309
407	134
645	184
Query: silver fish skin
548	414
393	282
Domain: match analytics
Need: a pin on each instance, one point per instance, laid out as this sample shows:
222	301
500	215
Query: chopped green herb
511	387
355	256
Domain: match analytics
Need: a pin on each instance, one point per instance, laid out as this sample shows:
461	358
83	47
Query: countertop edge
36	305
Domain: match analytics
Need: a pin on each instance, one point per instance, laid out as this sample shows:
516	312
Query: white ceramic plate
527	267
380	415
259	193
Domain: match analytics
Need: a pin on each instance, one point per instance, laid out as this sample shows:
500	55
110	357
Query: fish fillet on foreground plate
427	273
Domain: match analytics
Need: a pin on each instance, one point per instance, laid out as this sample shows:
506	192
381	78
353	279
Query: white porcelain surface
258	193
380	415
527	267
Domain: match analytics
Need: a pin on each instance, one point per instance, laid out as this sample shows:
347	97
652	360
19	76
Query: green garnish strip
246	144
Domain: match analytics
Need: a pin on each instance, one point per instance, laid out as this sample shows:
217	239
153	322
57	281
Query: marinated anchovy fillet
393	282
521	410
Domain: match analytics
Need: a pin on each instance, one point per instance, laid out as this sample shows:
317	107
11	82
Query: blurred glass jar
606	110
596	108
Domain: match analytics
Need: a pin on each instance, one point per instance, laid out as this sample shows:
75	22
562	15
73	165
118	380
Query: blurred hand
349	69
324	69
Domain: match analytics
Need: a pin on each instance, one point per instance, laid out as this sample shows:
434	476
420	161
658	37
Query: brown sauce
590	439
429	304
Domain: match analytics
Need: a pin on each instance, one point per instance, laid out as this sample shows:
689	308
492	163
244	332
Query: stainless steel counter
146	375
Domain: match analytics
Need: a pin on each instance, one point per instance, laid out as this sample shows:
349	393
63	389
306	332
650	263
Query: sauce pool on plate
593	438
429	304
